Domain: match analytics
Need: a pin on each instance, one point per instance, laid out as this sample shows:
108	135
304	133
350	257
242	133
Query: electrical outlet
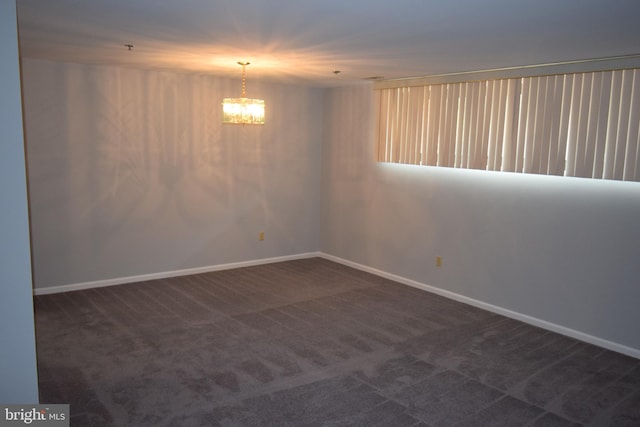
438	261
261	236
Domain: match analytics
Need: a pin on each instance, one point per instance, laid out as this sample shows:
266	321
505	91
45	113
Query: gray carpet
314	343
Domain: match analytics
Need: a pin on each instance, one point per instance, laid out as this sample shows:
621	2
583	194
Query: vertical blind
580	124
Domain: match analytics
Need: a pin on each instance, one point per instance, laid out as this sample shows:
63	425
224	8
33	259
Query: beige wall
18	376
131	172
560	250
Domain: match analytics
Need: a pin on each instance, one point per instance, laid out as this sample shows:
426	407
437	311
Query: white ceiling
304	41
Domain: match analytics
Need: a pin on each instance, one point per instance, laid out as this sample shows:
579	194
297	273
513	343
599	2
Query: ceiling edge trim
563	67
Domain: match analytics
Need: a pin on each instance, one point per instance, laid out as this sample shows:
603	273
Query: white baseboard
167	274
600	342
620	348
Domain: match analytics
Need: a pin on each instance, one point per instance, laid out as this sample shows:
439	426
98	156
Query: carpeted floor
314	343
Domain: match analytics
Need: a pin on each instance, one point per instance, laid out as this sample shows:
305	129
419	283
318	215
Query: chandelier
243	110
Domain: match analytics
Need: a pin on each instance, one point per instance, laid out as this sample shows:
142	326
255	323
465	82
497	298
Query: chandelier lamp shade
243	111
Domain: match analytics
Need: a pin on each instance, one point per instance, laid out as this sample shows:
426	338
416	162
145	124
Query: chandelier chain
244	80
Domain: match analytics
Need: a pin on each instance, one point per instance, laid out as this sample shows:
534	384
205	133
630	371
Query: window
579	124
